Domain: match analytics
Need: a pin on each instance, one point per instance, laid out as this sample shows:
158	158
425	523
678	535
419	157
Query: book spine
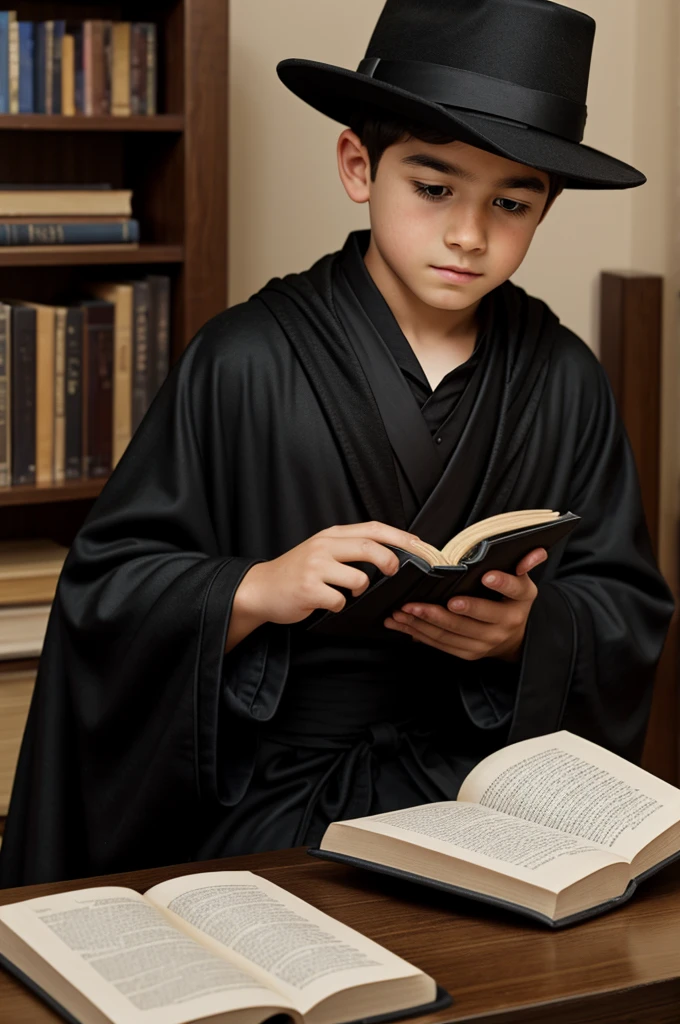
100	389
73	410
122	388
13	62
4	62
23	388
26	44
88	101
57	65
150	31
58	469
44	398
78	72
140	370
49	65
92	233
107	45
120	87
137	68
160	303
39	69
68	107
98	69
5	371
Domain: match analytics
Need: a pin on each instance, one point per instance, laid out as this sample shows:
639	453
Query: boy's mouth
456	275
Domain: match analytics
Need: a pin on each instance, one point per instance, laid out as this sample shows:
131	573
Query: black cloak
147	745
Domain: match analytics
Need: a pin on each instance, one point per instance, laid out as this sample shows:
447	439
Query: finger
531	560
340	575
433	620
463	647
515	588
383	533
479	608
323	550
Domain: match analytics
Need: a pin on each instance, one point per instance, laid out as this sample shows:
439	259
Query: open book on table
221	946
555	827
431	576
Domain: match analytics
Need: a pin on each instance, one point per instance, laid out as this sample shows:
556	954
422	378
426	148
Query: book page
279	938
491	839
129	960
567	783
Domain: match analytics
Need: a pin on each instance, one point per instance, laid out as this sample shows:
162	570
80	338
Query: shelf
72	490
78	255
82	123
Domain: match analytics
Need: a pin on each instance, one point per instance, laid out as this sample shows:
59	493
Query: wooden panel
15	696
621	968
630	351
206	41
81	123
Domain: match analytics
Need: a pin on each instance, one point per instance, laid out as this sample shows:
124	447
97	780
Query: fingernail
490	579
457	605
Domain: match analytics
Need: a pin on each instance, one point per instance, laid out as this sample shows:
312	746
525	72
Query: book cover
159	327
98	385
83	233
26	72
107	43
137	68
88	71
73	405
75	29
120	84
68	107
140	351
58	469
23	396
13	30
4	62
98	68
59	28
49	65
39	68
150	31
5	431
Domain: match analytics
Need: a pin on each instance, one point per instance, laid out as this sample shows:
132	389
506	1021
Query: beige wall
288	207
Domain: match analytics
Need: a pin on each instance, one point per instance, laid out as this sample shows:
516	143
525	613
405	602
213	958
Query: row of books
89	67
29	571
77	379
66	215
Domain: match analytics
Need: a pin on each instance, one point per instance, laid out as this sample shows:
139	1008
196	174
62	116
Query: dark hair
379	132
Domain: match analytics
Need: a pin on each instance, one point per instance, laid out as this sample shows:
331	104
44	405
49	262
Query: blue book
26	41
58	233
59	29
39	68
4	62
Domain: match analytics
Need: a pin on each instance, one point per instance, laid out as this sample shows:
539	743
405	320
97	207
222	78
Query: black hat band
455	87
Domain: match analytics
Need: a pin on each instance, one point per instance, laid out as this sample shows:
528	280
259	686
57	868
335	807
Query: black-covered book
224	946
23	394
554	827
431	576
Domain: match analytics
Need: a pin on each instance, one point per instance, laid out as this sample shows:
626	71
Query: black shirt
438	405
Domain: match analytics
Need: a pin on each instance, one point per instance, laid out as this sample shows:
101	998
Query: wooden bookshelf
174	162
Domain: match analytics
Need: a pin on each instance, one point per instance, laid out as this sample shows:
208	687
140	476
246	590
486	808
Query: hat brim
340	94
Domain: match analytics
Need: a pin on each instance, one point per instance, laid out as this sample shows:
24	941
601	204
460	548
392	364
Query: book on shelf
22	630
554	827
228	946
29	571
428	575
76	379
93	67
16	689
83	201
82	232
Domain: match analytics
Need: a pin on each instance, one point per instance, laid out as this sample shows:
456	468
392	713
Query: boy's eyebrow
531	184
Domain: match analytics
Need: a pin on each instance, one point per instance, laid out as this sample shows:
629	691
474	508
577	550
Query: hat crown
533	43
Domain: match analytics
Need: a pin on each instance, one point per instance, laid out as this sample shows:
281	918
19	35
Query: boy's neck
425	327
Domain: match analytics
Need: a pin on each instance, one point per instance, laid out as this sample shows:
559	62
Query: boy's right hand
289	588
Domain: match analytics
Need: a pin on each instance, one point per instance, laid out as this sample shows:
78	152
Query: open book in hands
222	947
431	576
555	827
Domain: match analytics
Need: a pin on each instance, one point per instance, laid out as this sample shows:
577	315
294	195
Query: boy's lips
456	276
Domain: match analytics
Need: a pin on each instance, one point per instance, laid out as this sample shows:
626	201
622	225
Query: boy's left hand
474	627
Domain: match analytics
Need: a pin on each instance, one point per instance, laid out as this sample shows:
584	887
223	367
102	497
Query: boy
183	711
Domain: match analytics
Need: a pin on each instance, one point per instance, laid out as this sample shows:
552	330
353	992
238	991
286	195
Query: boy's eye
435	193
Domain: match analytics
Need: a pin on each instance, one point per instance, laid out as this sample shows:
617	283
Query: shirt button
439	440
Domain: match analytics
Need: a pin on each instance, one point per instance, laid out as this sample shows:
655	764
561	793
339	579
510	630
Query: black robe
147	745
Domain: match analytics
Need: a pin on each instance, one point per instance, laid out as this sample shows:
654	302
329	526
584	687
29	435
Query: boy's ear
354	166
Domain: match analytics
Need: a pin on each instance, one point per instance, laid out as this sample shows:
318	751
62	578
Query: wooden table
623	967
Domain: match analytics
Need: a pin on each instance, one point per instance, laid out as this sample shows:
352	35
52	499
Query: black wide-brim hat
507	76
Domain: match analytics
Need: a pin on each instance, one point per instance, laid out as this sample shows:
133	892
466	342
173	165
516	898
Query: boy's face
423	218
